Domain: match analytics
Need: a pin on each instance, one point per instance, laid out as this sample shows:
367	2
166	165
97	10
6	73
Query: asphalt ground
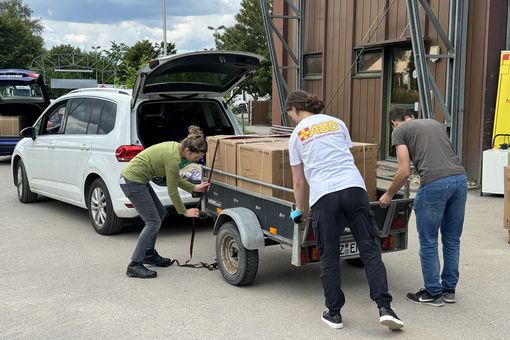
61	280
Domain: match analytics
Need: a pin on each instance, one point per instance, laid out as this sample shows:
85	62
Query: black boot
137	269
152	257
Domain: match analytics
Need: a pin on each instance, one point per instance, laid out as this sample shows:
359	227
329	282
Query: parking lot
61	280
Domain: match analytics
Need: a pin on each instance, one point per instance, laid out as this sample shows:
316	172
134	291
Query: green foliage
64	49
20	40
248	35
130	59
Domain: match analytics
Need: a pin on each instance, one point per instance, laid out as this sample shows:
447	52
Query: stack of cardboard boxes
11	125
266	159
506	218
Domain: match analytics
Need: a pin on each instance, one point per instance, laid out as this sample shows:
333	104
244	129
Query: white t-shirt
321	143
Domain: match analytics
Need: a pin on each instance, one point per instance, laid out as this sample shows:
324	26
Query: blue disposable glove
296	216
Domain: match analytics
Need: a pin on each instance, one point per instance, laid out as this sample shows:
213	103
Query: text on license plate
349	248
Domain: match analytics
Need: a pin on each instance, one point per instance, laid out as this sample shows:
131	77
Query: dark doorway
402	89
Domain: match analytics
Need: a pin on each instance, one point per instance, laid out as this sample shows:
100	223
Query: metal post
460	68
294	53
274	61
300	47
420	59
452	105
164	28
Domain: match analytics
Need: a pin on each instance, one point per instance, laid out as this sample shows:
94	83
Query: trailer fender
247	224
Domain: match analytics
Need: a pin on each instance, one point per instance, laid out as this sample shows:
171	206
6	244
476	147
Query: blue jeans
440	205
152	212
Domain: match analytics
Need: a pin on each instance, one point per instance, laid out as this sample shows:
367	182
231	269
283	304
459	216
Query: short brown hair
399	114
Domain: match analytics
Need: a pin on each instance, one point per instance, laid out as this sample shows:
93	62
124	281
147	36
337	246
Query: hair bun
195	132
314	104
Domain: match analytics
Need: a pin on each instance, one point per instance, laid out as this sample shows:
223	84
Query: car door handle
51	146
85	147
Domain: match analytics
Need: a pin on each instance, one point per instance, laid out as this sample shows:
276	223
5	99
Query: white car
78	147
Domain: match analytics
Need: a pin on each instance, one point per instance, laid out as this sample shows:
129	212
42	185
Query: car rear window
206	78
20	92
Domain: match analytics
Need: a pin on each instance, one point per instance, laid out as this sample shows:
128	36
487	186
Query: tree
133	58
248	35
20	40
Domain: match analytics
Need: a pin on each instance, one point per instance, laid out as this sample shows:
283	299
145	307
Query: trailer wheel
237	264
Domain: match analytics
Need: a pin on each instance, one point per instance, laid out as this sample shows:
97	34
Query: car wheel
237	264
100	207
25	195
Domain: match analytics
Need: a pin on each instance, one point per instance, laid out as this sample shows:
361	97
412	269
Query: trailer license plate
348	249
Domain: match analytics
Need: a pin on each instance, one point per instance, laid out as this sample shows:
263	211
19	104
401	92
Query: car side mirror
28	132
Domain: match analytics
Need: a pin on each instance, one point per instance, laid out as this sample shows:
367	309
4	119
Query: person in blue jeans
439	204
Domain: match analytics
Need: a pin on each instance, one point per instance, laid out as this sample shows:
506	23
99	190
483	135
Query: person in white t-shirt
319	154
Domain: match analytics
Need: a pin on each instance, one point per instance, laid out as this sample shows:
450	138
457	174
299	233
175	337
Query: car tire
237	264
25	195
101	214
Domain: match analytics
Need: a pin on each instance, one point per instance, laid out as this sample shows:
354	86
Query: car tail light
32	75
388	243
125	153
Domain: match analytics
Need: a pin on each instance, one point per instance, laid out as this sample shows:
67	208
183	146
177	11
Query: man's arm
403	172
298	180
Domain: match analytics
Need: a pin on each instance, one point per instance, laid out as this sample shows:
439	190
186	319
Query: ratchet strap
208	266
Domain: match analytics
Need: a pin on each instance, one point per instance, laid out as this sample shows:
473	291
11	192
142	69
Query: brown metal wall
337	27
314	39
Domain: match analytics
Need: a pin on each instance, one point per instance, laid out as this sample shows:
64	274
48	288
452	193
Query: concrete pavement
61	280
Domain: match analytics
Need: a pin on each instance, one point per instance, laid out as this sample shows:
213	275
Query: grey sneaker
332	320
449	297
423	298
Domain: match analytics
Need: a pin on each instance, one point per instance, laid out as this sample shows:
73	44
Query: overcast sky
87	23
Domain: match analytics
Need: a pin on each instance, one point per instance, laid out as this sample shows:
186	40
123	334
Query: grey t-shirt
429	147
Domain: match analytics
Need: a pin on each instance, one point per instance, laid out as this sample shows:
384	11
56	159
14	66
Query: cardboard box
220	162
267	162
228	149
11	125
506	204
365	158
232	146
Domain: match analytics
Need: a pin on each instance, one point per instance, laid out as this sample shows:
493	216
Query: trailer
247	221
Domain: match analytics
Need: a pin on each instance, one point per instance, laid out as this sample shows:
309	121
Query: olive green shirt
160	160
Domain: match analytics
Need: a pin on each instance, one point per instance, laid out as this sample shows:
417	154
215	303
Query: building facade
357	56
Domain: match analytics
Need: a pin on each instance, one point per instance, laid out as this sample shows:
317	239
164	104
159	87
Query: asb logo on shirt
317	129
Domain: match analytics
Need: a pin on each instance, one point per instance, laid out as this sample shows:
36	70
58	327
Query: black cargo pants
350	205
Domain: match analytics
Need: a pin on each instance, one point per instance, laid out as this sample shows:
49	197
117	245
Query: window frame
104	103
68	109
368	74
41	125
313	76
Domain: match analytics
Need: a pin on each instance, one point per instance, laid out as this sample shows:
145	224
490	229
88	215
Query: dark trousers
350	205
152	212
